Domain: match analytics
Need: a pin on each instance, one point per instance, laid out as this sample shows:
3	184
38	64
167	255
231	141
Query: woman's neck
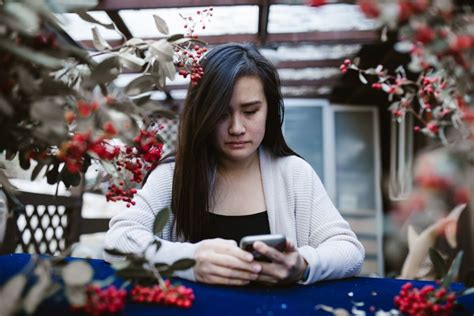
227	167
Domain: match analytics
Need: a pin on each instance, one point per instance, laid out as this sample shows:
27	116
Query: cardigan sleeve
132	230
332	251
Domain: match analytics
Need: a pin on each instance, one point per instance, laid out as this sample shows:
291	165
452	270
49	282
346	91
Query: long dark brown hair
206	103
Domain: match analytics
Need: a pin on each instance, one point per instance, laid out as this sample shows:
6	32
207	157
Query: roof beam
158	4
155	4
326	37
118	21
263	13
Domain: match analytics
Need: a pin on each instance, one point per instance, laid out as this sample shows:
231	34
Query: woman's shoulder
164	171
293	164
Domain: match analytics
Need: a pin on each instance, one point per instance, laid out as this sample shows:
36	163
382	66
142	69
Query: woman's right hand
221	261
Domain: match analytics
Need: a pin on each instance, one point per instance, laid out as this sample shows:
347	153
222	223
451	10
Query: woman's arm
218	261
333	250
132	230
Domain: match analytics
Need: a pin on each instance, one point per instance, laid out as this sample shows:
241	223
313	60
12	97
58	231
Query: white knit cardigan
297	205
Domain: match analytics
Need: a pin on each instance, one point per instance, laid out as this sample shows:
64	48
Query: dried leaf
169	70
38	292
89	18
99	42
140	85
163	50
161	220
33	56
28	18
77	273
76	295
49	111
161	25
106	71
131	61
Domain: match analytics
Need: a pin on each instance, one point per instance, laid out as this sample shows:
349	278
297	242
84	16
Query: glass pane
303	18
355	165
304	134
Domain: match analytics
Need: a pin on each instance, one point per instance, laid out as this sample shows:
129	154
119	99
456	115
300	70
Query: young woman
235	176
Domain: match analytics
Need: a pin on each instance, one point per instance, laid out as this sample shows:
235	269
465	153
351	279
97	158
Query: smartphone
276	241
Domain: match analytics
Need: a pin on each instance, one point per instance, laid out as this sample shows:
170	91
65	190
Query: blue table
253	300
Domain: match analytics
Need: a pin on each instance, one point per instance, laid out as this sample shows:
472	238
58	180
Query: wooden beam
299	64
117	19
263	13
326	37
155	4
158	4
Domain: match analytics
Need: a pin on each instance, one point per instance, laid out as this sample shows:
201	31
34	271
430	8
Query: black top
237	227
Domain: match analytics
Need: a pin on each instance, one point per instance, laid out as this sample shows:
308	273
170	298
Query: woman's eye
250	112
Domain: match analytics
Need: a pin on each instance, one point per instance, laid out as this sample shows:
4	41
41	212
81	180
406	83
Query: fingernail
254	276
249	257
256	267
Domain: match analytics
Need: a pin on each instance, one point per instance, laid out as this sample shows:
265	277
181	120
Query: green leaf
37	170
140	85
439	265
161	220
33	56
161	25
183	264
175	37
114	252
453	270
5	108
89	18
53	174
161	266
362	78
134	273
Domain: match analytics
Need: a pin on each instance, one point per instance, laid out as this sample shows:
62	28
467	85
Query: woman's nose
236	126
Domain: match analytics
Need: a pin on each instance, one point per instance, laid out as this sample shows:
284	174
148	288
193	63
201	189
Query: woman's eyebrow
246	104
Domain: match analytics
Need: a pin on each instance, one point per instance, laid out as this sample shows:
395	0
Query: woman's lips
237	145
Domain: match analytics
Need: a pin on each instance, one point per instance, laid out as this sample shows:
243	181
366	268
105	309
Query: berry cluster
103	301
180	295
137	159
73	151
187	58
427	301
188	63
345	66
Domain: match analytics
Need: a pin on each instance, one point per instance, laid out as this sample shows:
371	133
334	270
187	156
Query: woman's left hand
287	267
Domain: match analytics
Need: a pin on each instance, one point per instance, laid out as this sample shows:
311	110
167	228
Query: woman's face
240	132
